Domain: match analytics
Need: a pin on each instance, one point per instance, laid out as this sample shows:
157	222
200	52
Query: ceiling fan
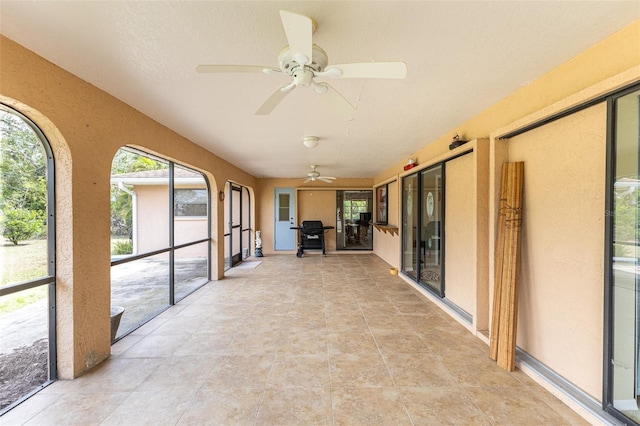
314	175
304	61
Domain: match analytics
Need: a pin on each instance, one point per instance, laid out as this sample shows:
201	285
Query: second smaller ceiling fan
314	175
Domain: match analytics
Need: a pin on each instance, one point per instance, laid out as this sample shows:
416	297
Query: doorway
422	228
354	215
284	236
237	233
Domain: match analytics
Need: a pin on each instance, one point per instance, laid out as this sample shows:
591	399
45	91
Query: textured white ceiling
462	57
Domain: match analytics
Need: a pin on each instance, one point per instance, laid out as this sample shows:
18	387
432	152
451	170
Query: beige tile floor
334	340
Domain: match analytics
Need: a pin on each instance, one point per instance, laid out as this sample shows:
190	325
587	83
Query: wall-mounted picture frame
382	205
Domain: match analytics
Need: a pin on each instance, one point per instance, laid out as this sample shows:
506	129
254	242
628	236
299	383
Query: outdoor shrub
21	224
122	247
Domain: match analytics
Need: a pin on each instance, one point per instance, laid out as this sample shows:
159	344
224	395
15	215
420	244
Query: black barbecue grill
311	236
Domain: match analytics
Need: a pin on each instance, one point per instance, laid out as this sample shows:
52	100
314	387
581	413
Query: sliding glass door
354	213
430	229
422	224
410	225
624	289
237	224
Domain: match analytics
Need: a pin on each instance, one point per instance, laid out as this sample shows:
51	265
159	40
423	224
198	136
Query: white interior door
285	238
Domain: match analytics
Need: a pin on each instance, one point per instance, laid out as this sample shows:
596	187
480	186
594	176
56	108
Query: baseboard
575	398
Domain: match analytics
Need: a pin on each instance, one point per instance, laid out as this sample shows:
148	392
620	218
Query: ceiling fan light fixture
320	88
310	141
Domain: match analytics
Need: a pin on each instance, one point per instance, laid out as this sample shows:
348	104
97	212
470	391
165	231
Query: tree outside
23	181
24	348
21	224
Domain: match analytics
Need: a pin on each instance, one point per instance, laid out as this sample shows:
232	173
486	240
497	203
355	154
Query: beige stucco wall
152	213
189	229
86	127
560	310
319	205
460	233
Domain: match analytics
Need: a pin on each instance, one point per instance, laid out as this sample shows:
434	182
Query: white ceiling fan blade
234	69
299	30
335	99
326	179
396	70
307	180
289	87
273	100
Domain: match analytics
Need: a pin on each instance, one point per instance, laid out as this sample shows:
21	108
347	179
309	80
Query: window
283	209
191	202
382	209
353	208
157	256
27	289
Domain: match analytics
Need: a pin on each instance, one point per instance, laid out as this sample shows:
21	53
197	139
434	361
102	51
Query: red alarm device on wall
410	164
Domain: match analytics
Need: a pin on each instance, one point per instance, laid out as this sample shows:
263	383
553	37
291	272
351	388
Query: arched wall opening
160	236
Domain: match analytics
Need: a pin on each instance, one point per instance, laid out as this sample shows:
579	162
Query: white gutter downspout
134	216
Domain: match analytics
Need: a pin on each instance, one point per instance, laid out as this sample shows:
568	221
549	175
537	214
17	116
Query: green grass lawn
24	262
28	260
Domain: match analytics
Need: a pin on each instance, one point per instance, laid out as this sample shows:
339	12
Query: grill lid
312	227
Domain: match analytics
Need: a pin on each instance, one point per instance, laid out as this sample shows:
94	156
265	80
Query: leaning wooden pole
510	269
497	289
505	295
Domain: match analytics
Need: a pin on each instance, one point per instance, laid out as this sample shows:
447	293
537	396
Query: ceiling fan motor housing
288	64
302	76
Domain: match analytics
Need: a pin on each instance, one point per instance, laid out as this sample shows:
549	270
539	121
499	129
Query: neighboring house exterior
149	191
